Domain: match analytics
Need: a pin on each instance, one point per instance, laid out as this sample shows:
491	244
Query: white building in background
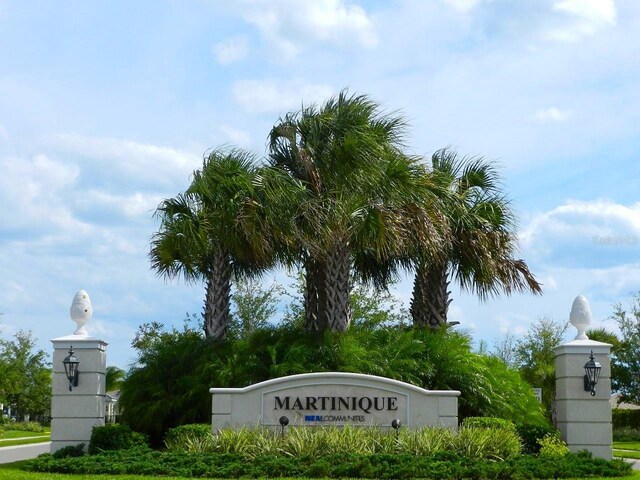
616	403
112	409
5	411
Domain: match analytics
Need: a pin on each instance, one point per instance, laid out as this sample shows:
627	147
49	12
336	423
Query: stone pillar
75	412
584	420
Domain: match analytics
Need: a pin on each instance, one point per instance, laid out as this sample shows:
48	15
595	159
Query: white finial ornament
81	311
580	316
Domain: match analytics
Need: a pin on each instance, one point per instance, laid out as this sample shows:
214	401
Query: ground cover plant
442	465
471	452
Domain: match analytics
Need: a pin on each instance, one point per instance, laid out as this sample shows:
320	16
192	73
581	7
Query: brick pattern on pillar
75	413
584	420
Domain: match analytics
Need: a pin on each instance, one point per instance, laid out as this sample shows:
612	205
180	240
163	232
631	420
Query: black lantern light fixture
284	421
71	363
592	370
396	424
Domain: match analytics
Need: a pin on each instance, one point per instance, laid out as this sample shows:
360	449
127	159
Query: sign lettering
365	404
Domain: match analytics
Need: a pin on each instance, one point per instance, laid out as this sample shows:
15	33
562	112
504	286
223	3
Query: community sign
333	398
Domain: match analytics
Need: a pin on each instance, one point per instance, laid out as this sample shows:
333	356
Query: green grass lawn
11	434
623	454
11	471
25	441
626	450
627	445
8	438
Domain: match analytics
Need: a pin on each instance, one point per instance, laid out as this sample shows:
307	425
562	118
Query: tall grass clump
192	438
313	442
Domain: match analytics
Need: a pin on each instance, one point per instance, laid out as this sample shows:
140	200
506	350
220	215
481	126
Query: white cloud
236	136
594	11
273	96
463	6
231	50
599	233
133	162
291	25
551	114
33	189
598	217
549	283
584	18
134	205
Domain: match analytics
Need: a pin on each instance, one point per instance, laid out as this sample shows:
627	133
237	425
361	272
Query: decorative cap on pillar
81	311
580	316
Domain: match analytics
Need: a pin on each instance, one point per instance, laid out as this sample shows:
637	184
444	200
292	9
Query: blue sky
107	107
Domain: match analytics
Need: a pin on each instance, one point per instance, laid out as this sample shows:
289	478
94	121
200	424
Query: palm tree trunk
337	287
314	295
217	302
430	301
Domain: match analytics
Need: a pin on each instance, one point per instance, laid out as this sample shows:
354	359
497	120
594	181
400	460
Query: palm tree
113	378
219	228
481	253
348	157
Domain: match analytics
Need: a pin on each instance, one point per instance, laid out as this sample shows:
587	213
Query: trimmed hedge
624	418
70	451
115	437
443	466
626	434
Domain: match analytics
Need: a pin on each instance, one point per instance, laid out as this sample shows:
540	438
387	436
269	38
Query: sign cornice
337	377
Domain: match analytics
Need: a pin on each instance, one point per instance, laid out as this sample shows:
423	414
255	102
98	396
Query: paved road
635	463
23	452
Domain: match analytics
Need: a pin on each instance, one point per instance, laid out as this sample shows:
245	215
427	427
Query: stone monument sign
333	398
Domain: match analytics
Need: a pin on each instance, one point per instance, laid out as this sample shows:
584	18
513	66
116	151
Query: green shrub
27	427
530	435
70	451
625	418
1	430
114	437
553	446
167	387
192	438
489	422
446	465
